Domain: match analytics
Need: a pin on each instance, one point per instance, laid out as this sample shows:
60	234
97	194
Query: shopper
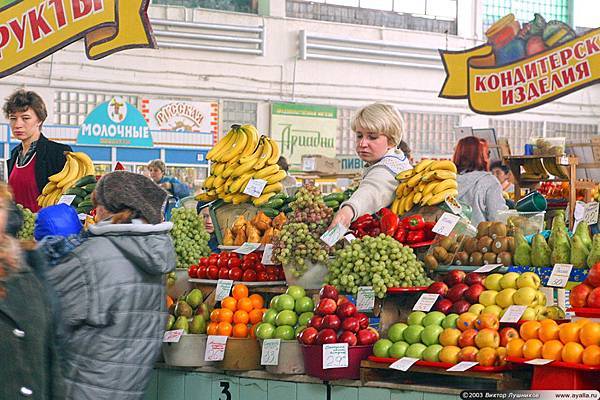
203	210
379	129
112	289
171	184
289	183
36	158
477	186
30	363
503	174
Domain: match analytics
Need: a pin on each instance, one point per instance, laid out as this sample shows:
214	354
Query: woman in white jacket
379	130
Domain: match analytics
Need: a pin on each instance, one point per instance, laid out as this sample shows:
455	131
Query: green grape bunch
189	237
26	232
381	262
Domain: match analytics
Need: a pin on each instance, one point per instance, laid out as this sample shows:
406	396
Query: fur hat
121	190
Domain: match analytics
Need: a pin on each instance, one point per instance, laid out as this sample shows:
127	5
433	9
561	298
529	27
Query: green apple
305	317
492	282
529	314
285	332
398	349
269	316
509	280
416	318
286	317
505	297
395	331
476	309
493	309
296	292
431	334
273	302
528	279
304	304
265	330
541	298
488	297
412	334
525	296
433	318
450	320
285	302
381	348
431	353
416	350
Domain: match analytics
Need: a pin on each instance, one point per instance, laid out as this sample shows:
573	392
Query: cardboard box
321	165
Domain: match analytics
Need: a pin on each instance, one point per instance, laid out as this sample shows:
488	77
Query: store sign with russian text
115	123
181	115
522	66
31	30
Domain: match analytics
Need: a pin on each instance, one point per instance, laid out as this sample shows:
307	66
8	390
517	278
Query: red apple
579	295
326	306
223	273
203	261
308	336
467	338
473	277
443	305
508	334
235	273
212	272
438	288
326	336
213	259
487	320
202	271
593	299
461	306
351	324
346	310
473	292
363	320
456	292
316	322
248	263
468	353
348	337
249	275
454	277
332	321
329	292
594	275
193	271
262	276
223	260
342	299
234	262
366	336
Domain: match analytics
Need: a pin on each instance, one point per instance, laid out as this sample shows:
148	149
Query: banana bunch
77	166
240	156
551	165
429	183
534	170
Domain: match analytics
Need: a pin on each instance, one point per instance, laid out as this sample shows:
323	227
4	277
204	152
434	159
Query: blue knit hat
59	220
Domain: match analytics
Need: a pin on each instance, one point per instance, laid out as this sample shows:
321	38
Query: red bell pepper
415	237
389	222
362	222
401	234
414	223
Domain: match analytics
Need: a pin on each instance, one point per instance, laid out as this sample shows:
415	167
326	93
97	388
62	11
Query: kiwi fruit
440	253
470	245
430	262
511	244
476	259
500	245
461	258
498	229
489	258
446	243
484	244
504	258
453	248
449	259
483	229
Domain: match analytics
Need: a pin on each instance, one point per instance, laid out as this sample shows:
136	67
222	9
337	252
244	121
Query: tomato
212	272
248	264
223	273
271	270
259	268
202	270
249	276
262	276
193	271
272	277
234	262
235	274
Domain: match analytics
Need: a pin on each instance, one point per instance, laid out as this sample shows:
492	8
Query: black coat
49	160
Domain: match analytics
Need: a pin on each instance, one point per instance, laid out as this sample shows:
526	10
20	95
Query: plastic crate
313	363
560	375
528	223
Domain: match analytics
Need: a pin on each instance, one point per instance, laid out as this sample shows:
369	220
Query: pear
583	232
183	309
170	322
522	251
204	311
194	298
558	225
594	255
561	252
540	252
182	323
198	325
579	252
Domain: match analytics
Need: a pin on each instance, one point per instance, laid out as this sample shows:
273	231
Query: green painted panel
225	387
171	384
279	390
197	386
311	391
367	393
151	390
436	396
405	395
253	389
344	393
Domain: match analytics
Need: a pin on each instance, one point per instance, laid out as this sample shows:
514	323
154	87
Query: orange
581	322
245	304
257	301
229	302
552	350
590	334
214	315
253	331
239	291
212	328
514	348
240	317
569	332
572	352
529	330
532	348
591	355
240	330
224	329
170	301
226	315
548	331
255	316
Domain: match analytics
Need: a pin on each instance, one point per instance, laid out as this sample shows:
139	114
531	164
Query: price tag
560	275
332	236
462	366
223	289
247	248
513	314
579	210
564	160
267	258
538	361
66	199
255	187
404	363
487	268
335	355
426	302
82	216
365	299
270	352
445	224
309	164
172	336
350	238
215	348
590	213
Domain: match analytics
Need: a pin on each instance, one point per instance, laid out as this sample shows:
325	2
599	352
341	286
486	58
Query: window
346	139
573	132
71	108
245	6
237	112
518	133
523	10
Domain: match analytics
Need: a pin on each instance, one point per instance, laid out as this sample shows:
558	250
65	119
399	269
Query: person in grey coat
111	292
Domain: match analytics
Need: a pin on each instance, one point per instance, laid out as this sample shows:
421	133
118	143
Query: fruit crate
559	375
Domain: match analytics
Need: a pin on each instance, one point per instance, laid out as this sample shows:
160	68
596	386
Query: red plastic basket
443	365
562	375
313	363
412	289
586	312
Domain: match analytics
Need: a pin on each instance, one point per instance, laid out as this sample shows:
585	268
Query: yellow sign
33	29
518	73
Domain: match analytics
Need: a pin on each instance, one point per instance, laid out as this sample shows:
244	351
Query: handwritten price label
66	199
462	366
255	187
215	348
513	314
404	363
445	224
365	298
267	258
538	361
270	352
426	302
223	289
560	275
332	236
487	268
350	238
335	355
172	336
590	213
247	248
